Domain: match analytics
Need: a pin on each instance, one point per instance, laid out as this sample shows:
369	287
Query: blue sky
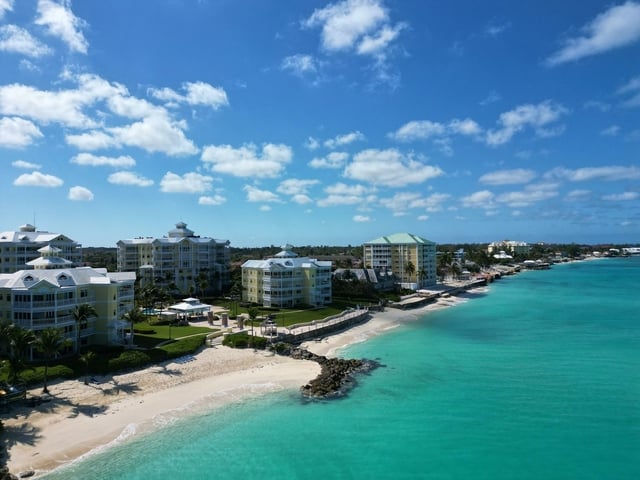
321	123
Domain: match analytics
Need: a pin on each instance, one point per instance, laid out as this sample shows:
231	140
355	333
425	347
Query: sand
83	418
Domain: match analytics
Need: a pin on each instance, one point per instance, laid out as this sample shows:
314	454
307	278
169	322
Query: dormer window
62	277
28	278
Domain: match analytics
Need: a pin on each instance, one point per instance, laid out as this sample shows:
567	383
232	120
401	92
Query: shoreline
100	415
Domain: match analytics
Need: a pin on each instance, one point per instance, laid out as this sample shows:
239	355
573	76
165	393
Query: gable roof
400	238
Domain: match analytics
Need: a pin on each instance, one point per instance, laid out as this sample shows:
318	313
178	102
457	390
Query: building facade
509	247
412	259
46	296
182	261
286	280
18	248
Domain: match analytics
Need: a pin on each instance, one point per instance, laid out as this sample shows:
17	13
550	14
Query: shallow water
538	378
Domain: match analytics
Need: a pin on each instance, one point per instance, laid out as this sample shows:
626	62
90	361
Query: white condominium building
17	249
48	294
181	261
410	257
510	247
286	280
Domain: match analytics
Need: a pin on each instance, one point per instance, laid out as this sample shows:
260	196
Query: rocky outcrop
336	377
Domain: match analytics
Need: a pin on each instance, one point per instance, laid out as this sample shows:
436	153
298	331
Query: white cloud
195	93
294	186
344	24
300	64
342	194
631	87
481	199
331	160
609	173
530	195
26	165
423	218
380	40
418	130
129	178
403	201
390	168
60	22
617	27
94	140
621	197
493	97
37	179
88	159
536	116
265	208
17	132
214	201
5	6
188	183
311	143
464	127
611	131
18	40
577	195
507	177
493	29
254	194
132	107
345	139
361	219
156	133
80	194
246	161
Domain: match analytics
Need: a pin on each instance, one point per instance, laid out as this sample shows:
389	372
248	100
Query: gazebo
190	307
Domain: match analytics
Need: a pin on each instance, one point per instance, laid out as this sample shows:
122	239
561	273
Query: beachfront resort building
18	248
412	259
286	280
48	293
182	262
509	247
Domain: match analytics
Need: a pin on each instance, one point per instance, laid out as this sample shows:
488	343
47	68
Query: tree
20	341
410	269
50	342
134	316
86	358
81	316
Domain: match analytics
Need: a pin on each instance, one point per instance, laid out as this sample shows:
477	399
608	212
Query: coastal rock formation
5	475
336	377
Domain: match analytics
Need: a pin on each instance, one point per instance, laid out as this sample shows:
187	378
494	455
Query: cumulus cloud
87	159
26	165
361	219
5	6
254	194
480	199
214	200
616	27
295	186
346	139
94	140
18	40
507	177
247	161
129	178
418	130
17	132
607	173
538	117
195	94
439	133
191	182
80	194
300	64
390	168
38	179
401	202
59	21
530	195
331	160
311	143
343	194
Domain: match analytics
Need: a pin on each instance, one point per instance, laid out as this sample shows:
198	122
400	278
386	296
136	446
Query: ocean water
536	378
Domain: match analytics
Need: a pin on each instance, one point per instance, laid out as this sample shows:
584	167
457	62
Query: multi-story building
17	249
286	280
181	261
47	294
411	258
510	247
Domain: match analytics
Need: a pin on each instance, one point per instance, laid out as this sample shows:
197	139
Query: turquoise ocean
537	377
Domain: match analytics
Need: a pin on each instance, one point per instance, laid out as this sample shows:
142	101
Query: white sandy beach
81	418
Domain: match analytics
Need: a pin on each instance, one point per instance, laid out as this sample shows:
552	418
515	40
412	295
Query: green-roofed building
410	257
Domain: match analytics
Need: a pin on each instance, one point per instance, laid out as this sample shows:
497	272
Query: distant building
380	279
286	280
412	259
48	294
181	261
18	248
509	247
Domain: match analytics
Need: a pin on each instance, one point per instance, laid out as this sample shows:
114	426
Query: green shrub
129	359
183	346
35	375
244	340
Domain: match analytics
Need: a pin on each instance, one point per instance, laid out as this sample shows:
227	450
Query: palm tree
81	316
86	358
134	316
50	342
20	341
410	269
